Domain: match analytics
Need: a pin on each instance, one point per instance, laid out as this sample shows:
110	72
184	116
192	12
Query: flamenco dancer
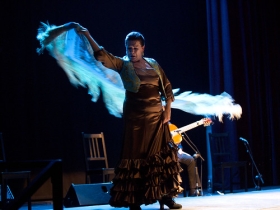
135	88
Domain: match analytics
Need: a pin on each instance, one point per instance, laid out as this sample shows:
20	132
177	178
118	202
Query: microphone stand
259	176
195	156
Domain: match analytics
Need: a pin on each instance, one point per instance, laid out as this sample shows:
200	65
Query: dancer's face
134	50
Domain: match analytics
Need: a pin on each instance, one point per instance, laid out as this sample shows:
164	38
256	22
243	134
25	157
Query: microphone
244	140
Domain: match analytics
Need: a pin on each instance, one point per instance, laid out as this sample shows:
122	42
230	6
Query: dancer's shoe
168	201
134	207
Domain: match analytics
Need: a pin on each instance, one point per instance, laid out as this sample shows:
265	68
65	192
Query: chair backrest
94	150
220	147
2	151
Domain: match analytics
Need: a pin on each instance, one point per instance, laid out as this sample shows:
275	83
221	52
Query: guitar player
187	159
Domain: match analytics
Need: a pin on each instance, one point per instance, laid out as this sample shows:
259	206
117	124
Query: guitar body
177	138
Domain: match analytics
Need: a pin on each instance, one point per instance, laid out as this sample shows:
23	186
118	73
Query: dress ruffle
154	177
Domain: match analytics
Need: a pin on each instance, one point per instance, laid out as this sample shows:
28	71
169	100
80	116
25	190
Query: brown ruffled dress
148	168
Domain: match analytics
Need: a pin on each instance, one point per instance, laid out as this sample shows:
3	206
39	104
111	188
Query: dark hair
135	36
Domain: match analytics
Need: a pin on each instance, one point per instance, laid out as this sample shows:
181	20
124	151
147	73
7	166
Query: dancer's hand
166	115
80	29
180	151
71	25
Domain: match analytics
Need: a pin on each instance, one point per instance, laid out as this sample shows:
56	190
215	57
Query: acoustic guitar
176	132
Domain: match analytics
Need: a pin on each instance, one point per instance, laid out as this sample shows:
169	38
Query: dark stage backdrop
43	115
244	60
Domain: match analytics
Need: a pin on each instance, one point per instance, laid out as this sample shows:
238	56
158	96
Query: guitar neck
187	127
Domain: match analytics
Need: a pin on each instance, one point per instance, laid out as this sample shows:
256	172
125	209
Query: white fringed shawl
75	56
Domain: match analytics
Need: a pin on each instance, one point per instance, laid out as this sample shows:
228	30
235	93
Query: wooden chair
221	159
6	194
95	153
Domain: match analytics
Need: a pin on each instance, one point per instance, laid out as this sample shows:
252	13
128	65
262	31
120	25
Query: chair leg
231	180
223	181
29	199
29	204
246	187
4	193
213	180
185	193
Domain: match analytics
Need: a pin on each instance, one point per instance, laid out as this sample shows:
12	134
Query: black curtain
244	60
43	115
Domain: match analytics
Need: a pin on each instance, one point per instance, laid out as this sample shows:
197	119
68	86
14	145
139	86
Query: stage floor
267	198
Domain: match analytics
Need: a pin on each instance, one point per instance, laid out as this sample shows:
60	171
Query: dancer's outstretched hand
81	30
71	25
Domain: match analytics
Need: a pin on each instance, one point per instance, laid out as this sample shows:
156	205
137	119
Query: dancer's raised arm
81	30
48	33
